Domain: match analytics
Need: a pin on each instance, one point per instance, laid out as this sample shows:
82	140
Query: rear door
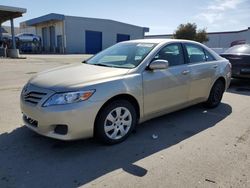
203	67
168	88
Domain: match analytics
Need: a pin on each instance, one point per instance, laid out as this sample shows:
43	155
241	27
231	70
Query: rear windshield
243	49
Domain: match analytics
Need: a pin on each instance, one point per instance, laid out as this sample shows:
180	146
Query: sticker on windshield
145	45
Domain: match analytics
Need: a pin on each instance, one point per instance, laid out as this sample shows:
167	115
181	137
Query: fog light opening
61	129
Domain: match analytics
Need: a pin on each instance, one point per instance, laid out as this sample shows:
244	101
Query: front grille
30	121
33	97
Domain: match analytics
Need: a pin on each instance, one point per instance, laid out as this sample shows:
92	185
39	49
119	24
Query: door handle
215	66
185	72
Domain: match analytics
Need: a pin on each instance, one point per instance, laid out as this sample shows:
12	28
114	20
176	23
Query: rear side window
172	53
209	56
195	53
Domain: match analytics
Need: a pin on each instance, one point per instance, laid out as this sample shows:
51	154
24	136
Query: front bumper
79	118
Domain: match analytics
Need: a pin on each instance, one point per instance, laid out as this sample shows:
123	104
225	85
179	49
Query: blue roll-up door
93	41
122	37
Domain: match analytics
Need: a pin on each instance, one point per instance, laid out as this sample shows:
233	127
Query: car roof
159	40
238	49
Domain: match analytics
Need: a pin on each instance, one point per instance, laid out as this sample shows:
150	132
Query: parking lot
194	147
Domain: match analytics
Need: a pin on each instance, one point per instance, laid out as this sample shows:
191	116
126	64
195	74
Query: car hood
74	76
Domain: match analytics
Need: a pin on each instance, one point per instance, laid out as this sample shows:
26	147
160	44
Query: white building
70	34
219	39
227	39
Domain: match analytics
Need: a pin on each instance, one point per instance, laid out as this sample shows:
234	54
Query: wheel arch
223	80
126	97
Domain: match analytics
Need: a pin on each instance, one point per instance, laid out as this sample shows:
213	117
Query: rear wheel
216	94
115	122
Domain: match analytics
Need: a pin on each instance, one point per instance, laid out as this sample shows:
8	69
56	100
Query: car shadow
240	86
30	160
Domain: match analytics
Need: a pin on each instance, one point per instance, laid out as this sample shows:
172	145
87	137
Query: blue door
122	37
93	41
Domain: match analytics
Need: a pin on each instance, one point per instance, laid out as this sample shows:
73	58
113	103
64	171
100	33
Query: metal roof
60	17
7	13
45	18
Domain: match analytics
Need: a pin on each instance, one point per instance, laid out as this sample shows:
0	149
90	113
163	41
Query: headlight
68	98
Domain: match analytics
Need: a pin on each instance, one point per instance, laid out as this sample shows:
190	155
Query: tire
35	40
112	128
215	95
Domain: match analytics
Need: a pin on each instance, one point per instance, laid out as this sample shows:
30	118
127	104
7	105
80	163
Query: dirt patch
243	138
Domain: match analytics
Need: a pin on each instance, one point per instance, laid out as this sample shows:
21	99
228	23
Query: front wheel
215	95
115	122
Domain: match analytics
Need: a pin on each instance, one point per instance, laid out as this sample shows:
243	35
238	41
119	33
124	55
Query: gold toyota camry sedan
126	84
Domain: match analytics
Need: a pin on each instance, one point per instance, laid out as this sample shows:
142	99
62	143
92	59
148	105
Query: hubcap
118	123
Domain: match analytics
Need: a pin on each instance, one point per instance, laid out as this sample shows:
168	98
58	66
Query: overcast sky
161	16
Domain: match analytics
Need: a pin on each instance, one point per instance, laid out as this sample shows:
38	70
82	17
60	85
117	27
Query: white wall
221	40
158	36
27	29
58	29
224	40
76	26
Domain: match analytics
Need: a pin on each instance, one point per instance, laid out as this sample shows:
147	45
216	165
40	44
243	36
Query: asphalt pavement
194	147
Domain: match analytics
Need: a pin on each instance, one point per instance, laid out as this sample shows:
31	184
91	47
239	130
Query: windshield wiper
100	64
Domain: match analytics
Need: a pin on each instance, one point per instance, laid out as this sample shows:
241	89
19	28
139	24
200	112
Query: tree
189	31
201	36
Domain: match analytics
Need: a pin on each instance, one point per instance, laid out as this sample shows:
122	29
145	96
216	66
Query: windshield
243	49
122	55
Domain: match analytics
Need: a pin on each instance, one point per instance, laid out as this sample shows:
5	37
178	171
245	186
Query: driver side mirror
158	64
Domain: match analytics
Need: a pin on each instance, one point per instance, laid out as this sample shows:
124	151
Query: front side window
122	55
172	53
195	53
